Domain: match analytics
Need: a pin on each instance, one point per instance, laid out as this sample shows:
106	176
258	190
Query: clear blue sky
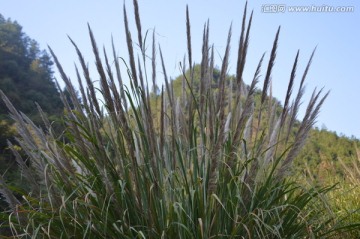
336	64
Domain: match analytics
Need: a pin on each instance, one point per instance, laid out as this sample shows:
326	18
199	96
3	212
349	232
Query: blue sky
337	36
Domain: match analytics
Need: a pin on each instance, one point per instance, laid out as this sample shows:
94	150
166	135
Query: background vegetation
26	76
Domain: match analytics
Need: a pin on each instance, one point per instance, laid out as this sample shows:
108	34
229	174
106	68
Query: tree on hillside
26	74
26	77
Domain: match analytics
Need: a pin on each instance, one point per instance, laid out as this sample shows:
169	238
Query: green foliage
25	72
324	152
26	77
345	202
200	164
6	131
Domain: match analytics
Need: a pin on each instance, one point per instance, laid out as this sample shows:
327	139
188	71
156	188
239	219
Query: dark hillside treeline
26	74
26	77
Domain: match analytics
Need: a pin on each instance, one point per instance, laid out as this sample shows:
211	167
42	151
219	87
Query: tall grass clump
141	162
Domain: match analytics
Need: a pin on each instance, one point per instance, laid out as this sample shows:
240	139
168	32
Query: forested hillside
324	151
26	77
26	74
